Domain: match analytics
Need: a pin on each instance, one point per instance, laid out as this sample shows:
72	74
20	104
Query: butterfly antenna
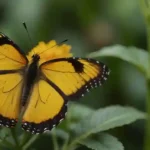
54	46
26	28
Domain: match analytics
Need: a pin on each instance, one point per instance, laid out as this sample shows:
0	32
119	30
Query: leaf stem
75	141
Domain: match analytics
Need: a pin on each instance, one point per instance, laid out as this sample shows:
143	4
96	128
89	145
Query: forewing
75	76
11	57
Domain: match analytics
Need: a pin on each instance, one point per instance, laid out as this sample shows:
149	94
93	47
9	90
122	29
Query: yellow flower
49	51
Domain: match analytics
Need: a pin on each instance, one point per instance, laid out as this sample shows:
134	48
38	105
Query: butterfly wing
10	90
11	57
45	109
75	76
12	62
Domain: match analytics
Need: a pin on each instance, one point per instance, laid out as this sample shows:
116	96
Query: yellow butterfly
42	82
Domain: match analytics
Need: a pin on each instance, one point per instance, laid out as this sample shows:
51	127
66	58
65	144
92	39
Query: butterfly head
35	58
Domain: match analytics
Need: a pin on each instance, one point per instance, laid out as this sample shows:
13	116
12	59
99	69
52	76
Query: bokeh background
88	25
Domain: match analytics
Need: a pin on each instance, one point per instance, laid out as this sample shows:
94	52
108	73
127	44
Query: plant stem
145	4
32	139
65	145
13	133
25	138
147	131
54	138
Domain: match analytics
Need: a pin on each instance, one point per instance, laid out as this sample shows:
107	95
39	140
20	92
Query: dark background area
88	25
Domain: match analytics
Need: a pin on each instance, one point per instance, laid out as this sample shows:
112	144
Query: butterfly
41	83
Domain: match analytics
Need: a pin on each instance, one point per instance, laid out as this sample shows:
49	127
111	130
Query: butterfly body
31	74
43	82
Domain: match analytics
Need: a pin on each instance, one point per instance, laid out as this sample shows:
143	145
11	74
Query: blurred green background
88	25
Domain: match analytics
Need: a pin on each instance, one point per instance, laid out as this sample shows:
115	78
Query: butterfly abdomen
30	77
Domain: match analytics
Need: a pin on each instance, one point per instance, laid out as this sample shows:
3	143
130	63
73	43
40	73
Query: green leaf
61	134
4	133
103	142
106	118
133	55
79	111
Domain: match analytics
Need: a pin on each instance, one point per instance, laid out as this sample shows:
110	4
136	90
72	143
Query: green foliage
137	57
102	119
103	142
78	129
105	119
